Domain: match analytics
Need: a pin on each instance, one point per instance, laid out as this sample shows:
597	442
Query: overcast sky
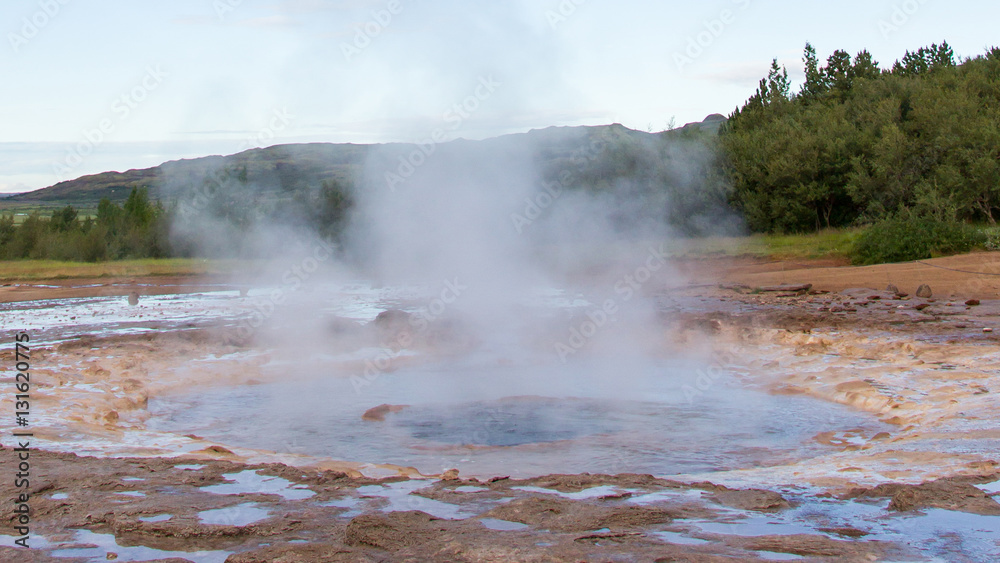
102	85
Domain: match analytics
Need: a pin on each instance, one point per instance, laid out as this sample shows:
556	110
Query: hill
296	167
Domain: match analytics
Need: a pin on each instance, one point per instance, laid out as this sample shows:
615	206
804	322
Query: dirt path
967	276
104	287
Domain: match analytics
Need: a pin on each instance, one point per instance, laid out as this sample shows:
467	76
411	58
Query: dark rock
924	292
751	499
377	414
950	494
972	302
133	298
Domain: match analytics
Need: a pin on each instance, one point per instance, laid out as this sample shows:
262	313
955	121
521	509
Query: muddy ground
925	366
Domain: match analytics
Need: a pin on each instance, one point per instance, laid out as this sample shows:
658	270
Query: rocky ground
922	490
297	514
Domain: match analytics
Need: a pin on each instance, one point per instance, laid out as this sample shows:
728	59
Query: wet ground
857	425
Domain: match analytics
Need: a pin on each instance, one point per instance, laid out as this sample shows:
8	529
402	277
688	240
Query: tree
64	219
924	137
815	84
865	67
138	211
839	72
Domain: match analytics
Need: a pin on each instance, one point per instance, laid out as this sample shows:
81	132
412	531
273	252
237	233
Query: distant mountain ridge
292	167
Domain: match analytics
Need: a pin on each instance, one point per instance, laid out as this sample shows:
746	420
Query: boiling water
497	410
613	416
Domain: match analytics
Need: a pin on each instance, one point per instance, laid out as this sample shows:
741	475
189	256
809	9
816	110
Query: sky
101	85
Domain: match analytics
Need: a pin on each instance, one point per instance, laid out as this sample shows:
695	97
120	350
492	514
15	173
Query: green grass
830	243
34	270
20	212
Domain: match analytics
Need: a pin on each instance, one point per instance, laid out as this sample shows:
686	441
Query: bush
992	235
905	237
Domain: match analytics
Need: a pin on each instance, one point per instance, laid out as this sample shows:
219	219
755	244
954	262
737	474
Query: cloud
195	20
747	73
269	21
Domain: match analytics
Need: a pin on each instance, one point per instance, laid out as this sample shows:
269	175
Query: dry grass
33	270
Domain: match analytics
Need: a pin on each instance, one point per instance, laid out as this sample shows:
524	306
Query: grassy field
832	243
22	212
28	270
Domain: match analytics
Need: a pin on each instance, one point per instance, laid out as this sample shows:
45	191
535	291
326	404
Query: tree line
136	229
858	143
911	150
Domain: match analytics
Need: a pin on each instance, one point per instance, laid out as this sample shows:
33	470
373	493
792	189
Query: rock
244	291
924	292
751	499
784	288
846	532
395	327
564	515
892	289
392	317
922	306
391	532
957	494
450	475
215	451
377	414
972	302
133	298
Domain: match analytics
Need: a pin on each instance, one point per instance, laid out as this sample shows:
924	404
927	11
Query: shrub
906	237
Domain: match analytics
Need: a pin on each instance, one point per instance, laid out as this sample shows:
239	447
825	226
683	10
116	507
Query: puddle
105	543
775	556
935	532
677	538
239	515
470	489
189	467
59	496
154	519
591	493
990	488
503	525
131	494
400	500
667	496
754	527
351	504
251	482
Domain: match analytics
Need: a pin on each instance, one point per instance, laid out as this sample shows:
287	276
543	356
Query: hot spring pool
488	419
